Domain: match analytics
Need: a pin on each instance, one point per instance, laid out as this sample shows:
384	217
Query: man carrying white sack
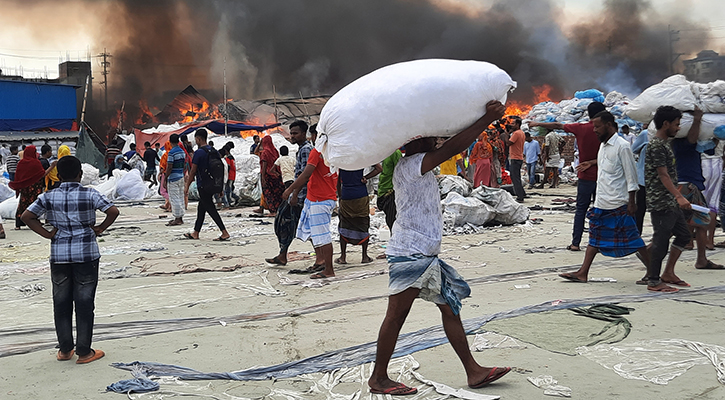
415	269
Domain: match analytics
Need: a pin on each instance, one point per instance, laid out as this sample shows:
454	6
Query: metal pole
85	98
276	113
226	113
307	114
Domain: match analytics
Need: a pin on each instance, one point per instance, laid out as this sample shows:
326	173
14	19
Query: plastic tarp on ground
29	106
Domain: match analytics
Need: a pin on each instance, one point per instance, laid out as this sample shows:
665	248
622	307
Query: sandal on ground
397	390
642	281
222	239
320	275
275	261
172	223
339	260
679	283
97	354
711	265
309	270
188	236
64	356
571	278
571	247
662	288
495	374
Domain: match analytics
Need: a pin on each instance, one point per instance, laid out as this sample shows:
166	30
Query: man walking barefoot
415	269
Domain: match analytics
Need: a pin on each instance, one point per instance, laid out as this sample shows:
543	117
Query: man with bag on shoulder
203	170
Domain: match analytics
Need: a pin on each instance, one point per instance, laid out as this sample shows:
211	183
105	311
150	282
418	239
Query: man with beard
612	228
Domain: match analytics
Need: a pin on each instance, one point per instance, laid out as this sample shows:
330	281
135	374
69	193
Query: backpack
212	180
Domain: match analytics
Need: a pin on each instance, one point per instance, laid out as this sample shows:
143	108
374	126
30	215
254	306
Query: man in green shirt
386	192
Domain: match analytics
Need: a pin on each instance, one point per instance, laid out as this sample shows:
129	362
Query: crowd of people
669	178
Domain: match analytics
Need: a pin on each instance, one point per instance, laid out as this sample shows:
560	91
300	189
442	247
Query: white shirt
617	174
287	167
418	228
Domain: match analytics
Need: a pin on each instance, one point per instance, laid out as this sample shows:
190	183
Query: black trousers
665	225
74	284
386	204
206	205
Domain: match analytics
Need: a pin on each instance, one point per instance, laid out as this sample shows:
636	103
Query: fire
198	112
145	115
521	109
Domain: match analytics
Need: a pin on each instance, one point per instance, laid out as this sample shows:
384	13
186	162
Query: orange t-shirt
322	184
516	150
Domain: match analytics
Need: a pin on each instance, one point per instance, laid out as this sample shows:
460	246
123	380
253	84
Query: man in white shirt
612	228
415	269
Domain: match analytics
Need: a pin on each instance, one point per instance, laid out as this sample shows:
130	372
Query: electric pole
105	63
672	36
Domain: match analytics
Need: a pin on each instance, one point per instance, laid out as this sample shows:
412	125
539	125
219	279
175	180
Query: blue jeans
531	169
74	284
229	194
585	192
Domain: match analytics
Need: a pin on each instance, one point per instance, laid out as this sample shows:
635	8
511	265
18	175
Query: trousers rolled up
176	197
206	205
74	285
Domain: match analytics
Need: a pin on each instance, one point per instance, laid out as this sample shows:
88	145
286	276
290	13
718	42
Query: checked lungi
438	282
315	222
613	232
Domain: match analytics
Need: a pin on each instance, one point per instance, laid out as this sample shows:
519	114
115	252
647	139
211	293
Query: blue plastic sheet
136	385
594	94
720	132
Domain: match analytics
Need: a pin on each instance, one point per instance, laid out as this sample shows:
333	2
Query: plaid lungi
613	232
315	221
438	282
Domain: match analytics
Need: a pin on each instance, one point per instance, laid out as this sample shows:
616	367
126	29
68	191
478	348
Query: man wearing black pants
199	171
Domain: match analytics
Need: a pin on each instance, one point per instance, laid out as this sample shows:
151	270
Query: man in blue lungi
612	227
415	269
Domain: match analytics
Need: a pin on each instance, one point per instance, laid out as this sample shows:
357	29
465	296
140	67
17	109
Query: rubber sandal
495	374
222	239
274	261
711	265
642	281
679	283
571	247
571	278
64	356
97	354
309	270
188	236
320	275
397	390
664	289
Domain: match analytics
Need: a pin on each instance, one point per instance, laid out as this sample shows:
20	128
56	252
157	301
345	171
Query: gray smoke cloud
316	47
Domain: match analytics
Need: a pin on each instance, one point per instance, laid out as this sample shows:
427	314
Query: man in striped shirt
12	163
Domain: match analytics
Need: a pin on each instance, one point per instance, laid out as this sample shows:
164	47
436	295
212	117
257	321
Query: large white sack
6	192
107	188
130	186
507	210
467	209
9	207
454	183
368	119
90	175
707	126
674	91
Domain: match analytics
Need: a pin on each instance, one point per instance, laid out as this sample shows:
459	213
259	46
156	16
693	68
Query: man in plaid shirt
71	210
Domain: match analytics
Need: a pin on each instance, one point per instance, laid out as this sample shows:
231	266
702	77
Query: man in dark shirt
150	156
691	183
131	152
586	186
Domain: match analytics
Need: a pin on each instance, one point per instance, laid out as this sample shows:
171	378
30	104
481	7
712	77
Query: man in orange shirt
316	214
516	157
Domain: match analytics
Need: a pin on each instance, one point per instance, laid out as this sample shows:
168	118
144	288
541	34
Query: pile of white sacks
574	110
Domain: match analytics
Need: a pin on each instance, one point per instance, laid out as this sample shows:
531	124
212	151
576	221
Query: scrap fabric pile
569	111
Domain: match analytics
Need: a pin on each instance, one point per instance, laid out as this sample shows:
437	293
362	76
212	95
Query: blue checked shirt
71	208
303	153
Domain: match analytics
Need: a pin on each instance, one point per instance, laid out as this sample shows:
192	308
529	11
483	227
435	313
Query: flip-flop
337	261
495	374
571	278
274	261
664	289
188	236
222	239
64	356
97	354
172	223
397	390
642	281
309	270
711	265
571	247
320	275
679	283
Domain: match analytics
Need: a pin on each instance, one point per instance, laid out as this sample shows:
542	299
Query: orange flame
521	109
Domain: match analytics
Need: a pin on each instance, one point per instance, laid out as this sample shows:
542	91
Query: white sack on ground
368	119
8	208
451	183
5	192
130	186
90	175
467	210
508	210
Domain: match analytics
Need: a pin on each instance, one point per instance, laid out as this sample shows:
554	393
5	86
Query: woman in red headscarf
271	177
29	181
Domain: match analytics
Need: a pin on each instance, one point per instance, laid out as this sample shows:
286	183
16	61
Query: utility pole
105	63
226	109
672	36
